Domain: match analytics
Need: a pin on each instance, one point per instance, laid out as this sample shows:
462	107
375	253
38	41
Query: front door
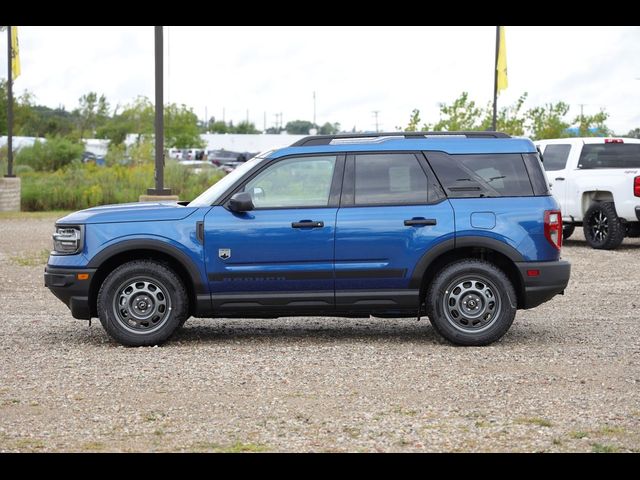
280	254
392	212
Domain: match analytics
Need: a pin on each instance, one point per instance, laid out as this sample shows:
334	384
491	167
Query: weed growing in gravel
541	422
556	441
578	435
610	430
31	259
92	446
238	447
482	424
602	448
29	444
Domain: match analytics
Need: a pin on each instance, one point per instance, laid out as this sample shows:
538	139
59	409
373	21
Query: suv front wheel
471	302
142	303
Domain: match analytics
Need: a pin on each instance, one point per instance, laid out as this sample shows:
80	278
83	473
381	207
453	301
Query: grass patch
92	446
33	215
538	421
602	448
481	424
10	401
237	447
405	411
29	444
578	434
31	259
556	441
610	430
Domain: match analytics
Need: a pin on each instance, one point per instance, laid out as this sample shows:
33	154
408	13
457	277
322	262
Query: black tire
489	300
142	303
602	228
567	231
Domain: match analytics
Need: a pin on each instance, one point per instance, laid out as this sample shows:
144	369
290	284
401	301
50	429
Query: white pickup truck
597	183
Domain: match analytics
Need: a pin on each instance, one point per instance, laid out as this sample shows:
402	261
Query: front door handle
307	224
420	222
560	179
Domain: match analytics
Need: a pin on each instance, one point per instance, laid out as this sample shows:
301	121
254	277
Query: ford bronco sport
459	227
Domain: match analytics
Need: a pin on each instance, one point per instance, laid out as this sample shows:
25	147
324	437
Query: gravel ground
565	378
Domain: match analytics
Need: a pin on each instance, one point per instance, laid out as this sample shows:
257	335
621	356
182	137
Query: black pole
9	108
495	83
159	123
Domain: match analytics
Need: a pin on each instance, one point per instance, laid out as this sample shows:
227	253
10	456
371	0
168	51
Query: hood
130	212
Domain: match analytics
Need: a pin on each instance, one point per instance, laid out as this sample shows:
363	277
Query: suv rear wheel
603	229
471	302
142	303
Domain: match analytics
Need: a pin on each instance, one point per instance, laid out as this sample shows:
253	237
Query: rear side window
609	155
389	179
536	174
555	157
486	175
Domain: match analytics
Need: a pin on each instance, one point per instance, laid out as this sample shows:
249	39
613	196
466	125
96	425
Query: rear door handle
307	224
560	179
420	222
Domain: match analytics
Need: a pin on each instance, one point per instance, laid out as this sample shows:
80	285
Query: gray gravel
565	378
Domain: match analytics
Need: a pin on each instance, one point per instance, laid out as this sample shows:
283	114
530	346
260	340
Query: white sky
354	70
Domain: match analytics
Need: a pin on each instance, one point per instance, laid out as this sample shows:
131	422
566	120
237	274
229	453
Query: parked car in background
596	181
90	157
193	154
198	166
459	227
175	153
222	157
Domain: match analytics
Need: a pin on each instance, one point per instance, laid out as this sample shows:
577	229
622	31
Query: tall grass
79	186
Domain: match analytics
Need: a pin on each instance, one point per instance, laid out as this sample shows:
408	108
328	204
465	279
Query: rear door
392	211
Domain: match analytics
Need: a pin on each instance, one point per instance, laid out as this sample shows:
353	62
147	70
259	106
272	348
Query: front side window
293	182
555	157
389	179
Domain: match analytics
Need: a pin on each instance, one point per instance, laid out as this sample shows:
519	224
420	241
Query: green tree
462	114
548	121
219	127
181	127
51	155
93	112
329	128
299	127
592	125
414	121
246	127
635	133
510	119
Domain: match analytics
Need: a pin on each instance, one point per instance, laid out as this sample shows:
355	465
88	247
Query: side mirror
241	202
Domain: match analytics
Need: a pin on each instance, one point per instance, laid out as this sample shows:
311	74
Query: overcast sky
353	70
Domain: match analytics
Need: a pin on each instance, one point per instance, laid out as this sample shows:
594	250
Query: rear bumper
552	279
64	284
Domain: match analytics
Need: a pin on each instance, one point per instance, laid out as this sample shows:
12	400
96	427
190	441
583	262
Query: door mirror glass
241	202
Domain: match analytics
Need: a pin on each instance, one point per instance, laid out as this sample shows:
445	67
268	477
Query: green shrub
51	155
81	186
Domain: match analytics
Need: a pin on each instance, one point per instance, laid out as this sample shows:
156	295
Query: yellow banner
15	53
501	65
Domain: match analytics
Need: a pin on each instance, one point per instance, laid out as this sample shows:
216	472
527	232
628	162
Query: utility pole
375	114
247	116
9	107
314	108
264	122
206	119
159	123
223	119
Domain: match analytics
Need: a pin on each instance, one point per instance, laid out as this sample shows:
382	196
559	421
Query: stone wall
9	194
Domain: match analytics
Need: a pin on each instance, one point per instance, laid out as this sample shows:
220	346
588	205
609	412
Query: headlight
67	240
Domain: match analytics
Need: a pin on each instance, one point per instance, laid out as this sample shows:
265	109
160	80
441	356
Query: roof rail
327	139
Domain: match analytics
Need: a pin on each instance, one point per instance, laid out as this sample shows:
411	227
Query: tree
299	127
548	121
329	128
635	133
510	119
592	125
181	127
461	115
92	112
414	120
246	127
219	127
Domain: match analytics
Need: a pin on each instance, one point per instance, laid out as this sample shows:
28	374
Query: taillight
636	186
613	140
553	227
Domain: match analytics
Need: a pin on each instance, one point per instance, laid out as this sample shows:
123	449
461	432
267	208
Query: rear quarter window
482	175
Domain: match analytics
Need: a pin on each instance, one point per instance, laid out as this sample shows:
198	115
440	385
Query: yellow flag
15	53
501	64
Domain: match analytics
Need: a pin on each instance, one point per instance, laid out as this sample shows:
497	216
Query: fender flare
461	242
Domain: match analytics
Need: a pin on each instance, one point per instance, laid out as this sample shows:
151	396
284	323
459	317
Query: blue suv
459	227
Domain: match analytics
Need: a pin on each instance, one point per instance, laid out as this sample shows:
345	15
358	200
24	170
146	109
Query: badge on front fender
224	253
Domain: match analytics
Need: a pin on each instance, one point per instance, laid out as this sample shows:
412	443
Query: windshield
213	193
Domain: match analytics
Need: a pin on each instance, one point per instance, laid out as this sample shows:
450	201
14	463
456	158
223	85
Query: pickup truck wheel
142	303
567	231
471	302
603	229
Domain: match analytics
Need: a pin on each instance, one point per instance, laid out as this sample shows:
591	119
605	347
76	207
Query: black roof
326	139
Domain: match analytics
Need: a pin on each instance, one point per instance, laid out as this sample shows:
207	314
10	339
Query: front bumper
65	285
552	279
